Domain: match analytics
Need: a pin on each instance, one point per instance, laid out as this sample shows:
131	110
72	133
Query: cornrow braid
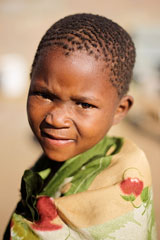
98	36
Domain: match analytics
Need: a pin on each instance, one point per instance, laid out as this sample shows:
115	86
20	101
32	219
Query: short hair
98	36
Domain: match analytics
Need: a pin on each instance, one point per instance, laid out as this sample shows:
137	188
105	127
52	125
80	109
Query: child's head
79	80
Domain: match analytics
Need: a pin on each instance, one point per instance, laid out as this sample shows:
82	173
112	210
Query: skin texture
72	104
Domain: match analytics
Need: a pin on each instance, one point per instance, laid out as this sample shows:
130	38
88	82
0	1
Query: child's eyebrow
43	89
73	98
84	98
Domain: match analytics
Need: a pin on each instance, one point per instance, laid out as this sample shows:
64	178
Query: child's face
71	104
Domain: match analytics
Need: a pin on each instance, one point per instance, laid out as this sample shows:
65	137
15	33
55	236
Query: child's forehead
79	66
80	61
79	69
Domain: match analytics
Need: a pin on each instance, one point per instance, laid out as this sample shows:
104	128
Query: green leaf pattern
82	180
129	198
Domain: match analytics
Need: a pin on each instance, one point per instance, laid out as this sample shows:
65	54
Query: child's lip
55	137
52	140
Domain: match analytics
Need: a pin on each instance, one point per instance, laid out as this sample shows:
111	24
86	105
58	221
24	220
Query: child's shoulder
130	153
132	162
131	156
129	163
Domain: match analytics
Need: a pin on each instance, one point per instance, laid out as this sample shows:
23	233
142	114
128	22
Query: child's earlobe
124	105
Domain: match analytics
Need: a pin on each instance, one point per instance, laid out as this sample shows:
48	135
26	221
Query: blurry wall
22	24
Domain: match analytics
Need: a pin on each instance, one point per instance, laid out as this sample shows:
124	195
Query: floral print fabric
117	203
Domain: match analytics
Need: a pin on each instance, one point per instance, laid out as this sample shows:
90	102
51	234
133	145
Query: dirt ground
19	151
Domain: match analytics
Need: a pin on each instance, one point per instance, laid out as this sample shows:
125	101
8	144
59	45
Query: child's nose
58	118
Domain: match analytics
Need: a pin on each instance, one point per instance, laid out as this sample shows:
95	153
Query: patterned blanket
104	193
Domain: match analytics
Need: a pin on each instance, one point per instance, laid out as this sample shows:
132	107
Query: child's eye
85	105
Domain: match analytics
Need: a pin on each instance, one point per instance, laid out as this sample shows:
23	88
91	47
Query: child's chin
57	157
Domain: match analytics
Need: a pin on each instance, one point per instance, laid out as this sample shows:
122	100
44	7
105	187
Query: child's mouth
55	139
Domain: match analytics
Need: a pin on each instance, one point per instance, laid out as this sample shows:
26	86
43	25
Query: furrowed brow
43	90
84	98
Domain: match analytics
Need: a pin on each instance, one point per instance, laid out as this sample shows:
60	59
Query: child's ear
124	105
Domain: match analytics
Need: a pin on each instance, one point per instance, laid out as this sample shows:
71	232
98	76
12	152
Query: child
86	185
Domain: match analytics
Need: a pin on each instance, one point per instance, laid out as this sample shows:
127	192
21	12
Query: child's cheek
94	125
33	112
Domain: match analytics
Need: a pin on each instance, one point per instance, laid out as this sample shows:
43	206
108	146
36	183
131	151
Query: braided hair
97	36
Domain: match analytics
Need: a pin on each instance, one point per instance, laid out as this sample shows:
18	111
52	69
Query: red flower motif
132	186
47	212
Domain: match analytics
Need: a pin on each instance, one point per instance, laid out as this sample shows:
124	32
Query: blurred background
22	24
